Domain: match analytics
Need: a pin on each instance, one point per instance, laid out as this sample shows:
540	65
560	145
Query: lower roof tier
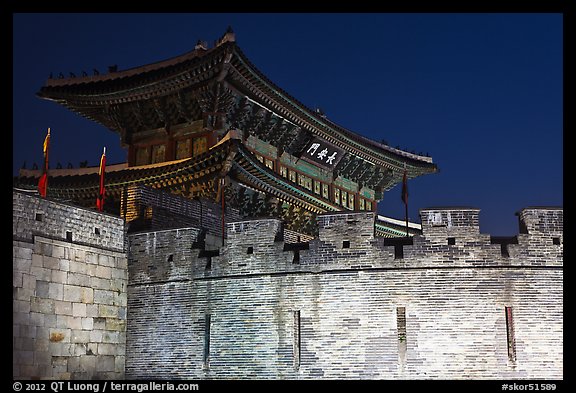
200	176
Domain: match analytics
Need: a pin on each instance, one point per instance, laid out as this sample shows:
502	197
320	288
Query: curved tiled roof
226	60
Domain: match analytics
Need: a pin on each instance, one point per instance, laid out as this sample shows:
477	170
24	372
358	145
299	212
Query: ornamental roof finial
229	36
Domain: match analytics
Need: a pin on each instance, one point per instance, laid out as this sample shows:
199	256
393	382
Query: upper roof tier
219	81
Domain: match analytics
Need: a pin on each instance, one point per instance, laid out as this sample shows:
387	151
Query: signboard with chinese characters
323	153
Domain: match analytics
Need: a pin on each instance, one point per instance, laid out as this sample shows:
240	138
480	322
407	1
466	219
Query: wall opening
510	338
207	322
39	217
451	241
296	347
504	241
170	257
504	250
346	244
296	258
398	251
96	231
399	243
401	328
208	254
250	250
556	241
68	236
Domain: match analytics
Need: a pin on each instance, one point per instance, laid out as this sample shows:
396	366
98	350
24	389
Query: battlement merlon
548	221
450	220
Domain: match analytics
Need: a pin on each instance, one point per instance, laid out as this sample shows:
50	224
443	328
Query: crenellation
87	311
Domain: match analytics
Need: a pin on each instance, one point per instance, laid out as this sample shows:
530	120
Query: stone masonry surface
93	302
346	287
69	291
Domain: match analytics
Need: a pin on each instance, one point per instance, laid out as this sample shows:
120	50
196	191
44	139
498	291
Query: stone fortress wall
452	303
70	277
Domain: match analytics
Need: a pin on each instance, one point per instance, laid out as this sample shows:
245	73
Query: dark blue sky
481	93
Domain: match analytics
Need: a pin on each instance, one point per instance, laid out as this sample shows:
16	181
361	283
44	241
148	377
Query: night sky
481	93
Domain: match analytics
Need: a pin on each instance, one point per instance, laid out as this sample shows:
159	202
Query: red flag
43	181
100	199
405	188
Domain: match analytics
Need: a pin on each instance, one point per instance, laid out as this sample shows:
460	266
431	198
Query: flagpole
43	180
406	215
405	197
223	209
101	191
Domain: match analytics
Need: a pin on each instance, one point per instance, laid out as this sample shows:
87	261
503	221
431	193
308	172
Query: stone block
96	335
111	337
36	260
28	281
87	323
57	252
79	255
40	305
105	260
73	365
63	375
41	273
45	249
118	273
92	310
79	309
107	349
87	295
50	320
92	349
27	331
79	336
103	297
59	335
49	262
56	291
21	265
42	358
88	363
42	344
59	276
119	364
122	263
63	308
21	318
75	323
115	324
25	357
91	258
103	272
64	264
79	349
78	279
21	306
105	363
41	289
29	372
108	311
118	285
72	293
37	319
61	350
17	279
100	283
